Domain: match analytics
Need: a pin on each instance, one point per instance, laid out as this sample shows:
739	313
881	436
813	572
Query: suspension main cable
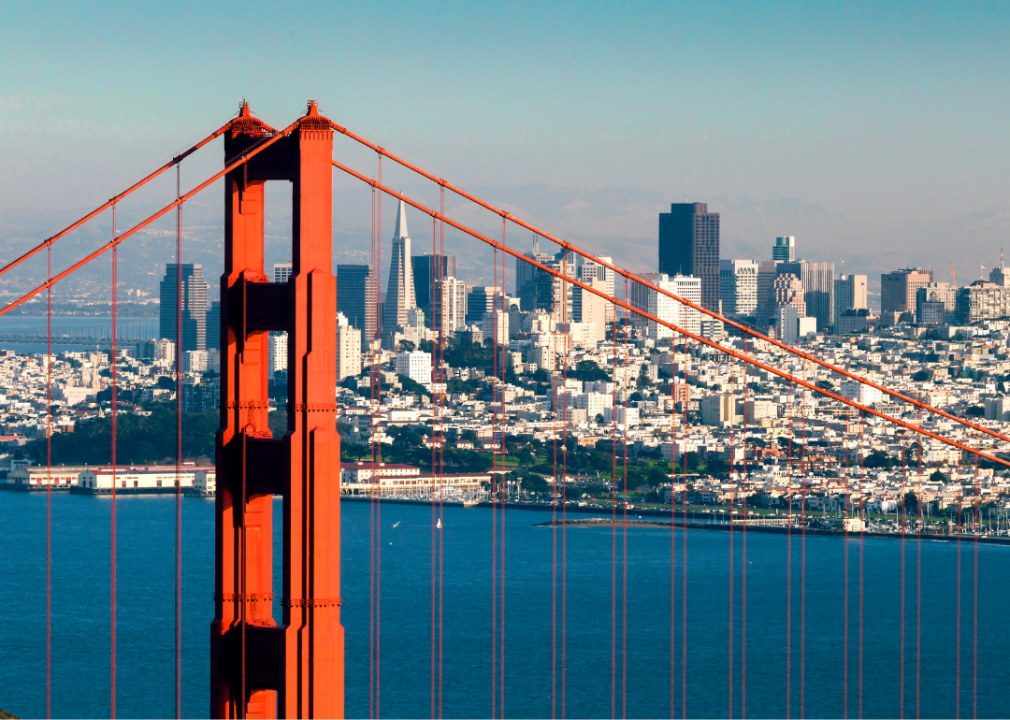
693	336
662	291
241	160
113	201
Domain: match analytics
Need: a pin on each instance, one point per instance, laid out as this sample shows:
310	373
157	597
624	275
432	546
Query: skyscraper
427	275
527	276
818	288
689	245
898	288
214	326
738	286
400	290
282	271
356	290
784	249
850	294
194	306
590	270
664	307
452	305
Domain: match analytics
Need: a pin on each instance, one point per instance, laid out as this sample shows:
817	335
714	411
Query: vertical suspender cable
862	510
378	451
732	562
374	372
683	569
904	531
845	583
49	481
613	530
434	488
554	538
178	461
441	431
673	518
564	490
789	551
918	582
113	449
501	445
624	530
743	556
494	489
957	620
803	560
974	686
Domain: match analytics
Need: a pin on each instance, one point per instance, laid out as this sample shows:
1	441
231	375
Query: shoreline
776	530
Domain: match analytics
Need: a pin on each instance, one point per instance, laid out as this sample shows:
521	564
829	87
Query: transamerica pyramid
400	290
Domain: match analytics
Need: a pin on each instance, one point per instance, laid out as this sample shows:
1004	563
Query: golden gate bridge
293	666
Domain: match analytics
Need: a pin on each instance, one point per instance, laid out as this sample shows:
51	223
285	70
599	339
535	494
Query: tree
406	346
938	476
588	371
921	376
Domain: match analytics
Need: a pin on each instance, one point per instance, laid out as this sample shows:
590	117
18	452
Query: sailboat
397	523
439	525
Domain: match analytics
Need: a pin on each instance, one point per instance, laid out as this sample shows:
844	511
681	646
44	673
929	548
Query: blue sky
888	119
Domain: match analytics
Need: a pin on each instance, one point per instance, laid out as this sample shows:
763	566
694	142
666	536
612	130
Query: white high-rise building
282	271
348	349
588	307
665	307
453	305
738	286
488	327
591	270
416	365
400	290
278	352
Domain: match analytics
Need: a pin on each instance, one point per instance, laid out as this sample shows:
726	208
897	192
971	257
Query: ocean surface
816	667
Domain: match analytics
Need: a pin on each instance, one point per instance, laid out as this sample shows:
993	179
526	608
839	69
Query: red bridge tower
257	665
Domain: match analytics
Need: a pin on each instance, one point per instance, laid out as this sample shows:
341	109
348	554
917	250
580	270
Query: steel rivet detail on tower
295	667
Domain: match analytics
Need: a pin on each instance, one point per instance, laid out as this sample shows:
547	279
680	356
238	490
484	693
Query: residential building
452	305
689	246
787	324
495	326
590	270
861	393
928	302
718	410
588	307
278	349
348	349
416	365
982	301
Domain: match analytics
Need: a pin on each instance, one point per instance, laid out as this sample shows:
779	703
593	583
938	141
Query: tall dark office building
689	245
356	289
194	306
426	274
214	326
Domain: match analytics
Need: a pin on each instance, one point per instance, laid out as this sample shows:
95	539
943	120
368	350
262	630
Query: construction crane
953	274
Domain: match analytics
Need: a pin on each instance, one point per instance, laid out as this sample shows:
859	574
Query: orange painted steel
174	161
140	226
260	668
628	306
631	276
